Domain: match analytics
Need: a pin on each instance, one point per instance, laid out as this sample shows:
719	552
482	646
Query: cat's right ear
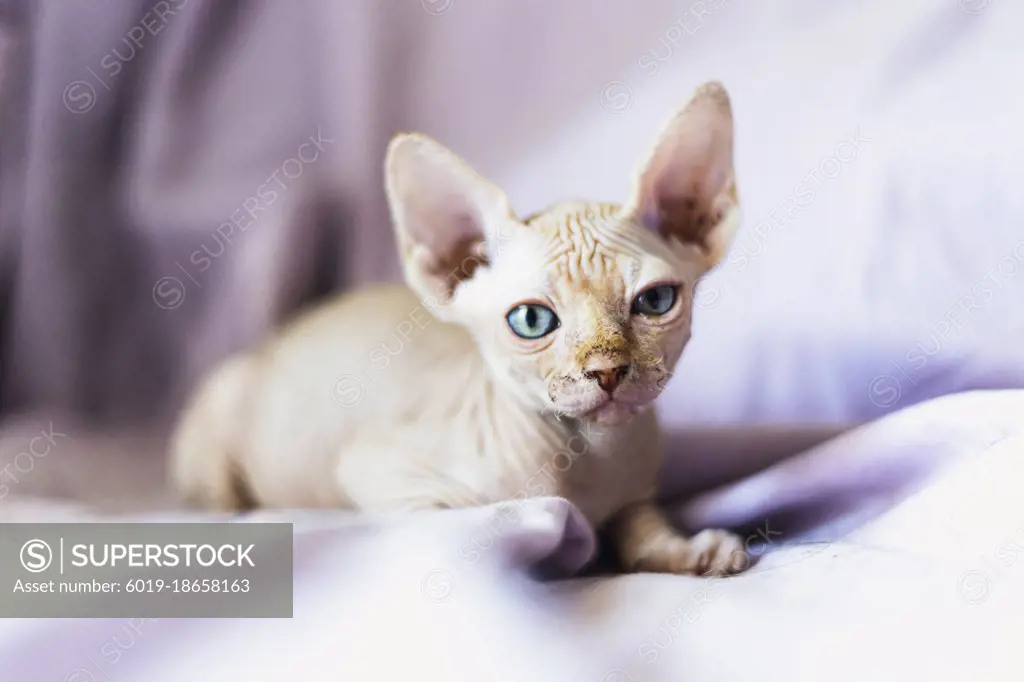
445	214
685	189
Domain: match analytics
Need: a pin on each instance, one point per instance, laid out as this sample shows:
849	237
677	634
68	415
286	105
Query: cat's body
403	419
521	359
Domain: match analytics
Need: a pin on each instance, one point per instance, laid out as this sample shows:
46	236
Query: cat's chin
611	413
600	409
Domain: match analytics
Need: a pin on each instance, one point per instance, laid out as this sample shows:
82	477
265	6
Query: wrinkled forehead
567	271
603	281
570	256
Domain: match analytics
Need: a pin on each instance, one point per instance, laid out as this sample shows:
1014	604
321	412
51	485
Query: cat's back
353	366
359	340
381	306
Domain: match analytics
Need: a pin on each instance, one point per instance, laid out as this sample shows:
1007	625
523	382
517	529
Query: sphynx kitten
521	358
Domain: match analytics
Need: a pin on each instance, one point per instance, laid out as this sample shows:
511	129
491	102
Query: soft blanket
889	551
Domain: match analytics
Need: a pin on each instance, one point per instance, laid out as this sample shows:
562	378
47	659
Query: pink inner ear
458	258
682	184
678	190
688	221
441	231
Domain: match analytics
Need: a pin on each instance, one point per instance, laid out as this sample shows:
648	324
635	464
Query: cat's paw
708	553
718	552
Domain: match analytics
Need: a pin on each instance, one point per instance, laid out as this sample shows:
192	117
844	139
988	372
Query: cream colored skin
419	397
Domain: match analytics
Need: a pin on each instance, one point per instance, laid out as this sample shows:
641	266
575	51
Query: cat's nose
609	378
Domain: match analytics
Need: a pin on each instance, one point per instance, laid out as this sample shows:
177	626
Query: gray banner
145	570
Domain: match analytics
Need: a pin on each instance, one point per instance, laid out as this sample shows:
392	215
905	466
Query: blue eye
655	301
532	321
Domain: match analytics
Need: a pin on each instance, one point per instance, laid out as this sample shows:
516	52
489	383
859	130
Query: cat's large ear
686	188
446	216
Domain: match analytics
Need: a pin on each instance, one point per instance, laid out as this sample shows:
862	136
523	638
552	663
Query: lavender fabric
155	214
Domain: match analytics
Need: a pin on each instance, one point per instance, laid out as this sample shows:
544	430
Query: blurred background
177	177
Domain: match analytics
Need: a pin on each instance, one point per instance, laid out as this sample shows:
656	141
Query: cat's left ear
686	189
447	217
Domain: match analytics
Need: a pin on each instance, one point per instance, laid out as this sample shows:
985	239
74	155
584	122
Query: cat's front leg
647	542
380	476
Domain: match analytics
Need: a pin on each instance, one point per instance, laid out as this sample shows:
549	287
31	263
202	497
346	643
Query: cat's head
583	309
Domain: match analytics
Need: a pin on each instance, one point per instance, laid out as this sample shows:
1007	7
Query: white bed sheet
921	586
